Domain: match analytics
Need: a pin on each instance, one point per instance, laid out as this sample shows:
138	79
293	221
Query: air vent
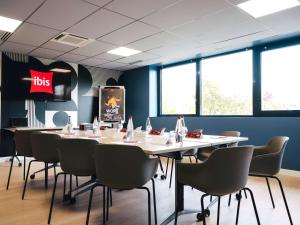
72	39
4	35
135	62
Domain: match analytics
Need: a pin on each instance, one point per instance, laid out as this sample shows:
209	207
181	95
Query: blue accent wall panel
136	83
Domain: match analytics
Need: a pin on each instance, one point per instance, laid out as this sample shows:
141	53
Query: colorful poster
112	103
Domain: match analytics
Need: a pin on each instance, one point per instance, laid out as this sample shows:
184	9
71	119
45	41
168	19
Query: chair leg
270	192
10	170
190	159
77	183
196	160
254	205
203	209
103	215
107	203
170	185
24	168
25	184
154	200
46	175
149	203
245	194
53	195
210	198
219	202
70	185
229	200
54	168
161	166
284	199
167	167
238	209
64	189
89	206
110	196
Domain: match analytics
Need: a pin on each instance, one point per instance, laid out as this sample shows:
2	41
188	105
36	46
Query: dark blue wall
258	129
136	83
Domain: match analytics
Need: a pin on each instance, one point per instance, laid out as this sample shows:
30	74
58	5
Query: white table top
13	129
152	144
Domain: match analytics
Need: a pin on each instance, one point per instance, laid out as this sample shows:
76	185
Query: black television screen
23	80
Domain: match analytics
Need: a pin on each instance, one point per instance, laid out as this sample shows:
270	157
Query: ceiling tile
130	33
233	32
93	61
109	57
228	17
98	2
138	57
236	2
58	46
175	48
68	57
32	34
155	41
138	8
15	47
17	9
45	53
112	65
283	22
61	14
97	24
93	48
184	11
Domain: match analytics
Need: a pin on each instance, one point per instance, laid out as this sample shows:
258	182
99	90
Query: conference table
154	145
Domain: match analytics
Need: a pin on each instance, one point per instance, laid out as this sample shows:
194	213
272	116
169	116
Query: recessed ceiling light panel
123	51
8	24
259	8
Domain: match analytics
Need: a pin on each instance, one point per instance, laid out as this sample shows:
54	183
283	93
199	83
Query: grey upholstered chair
133	171
204	153
224	172
22	144
44	149
76	158
266	162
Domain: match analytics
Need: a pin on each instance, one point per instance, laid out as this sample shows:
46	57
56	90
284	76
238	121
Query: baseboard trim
293	173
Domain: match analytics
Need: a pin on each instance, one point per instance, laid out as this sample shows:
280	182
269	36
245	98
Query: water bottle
178	130
69	125
95	126
130	128
148	126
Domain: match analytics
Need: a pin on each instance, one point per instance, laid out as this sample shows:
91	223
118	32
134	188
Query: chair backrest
76	156
232	134
22	140
123	167
273	153
45	147
227	170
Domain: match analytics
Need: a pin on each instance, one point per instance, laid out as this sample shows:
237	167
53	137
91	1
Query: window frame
256	77
159	108
224	54
258	64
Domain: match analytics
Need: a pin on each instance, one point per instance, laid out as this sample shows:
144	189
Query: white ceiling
164	30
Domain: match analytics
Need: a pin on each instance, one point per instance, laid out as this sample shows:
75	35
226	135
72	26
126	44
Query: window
178	89
226	84
280	79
